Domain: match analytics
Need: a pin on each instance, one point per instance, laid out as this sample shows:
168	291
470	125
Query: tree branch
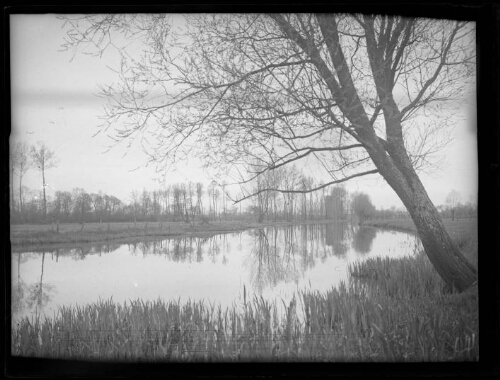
374	171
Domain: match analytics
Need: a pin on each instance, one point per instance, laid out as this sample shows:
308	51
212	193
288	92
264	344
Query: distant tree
146	203
471	209
66	203
156	206
44	159
199	198
166	195
111	204
177	201
453	200
339	201
20	163
82	204
362	206
291	179
134	195
262	199
216	197
98	204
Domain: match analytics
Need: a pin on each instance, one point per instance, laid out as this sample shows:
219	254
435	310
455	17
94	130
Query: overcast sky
53	100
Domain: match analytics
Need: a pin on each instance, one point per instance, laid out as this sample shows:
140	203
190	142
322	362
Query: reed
368	320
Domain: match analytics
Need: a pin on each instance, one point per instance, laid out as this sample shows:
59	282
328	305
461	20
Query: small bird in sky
51	122
30	132
60	108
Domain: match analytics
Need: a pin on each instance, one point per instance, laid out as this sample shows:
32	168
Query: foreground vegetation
392	310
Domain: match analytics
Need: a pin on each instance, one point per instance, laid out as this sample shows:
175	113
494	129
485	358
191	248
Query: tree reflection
363	239
38	294
336	236
269	264
190	248
79	252
19	289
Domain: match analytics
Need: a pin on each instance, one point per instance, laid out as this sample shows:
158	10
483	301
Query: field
392	310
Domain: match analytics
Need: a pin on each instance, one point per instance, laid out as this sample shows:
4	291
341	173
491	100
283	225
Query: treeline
178	202
190	201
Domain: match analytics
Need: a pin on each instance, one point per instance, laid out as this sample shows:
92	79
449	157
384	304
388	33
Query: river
273	262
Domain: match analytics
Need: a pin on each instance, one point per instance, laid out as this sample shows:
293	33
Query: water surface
274	262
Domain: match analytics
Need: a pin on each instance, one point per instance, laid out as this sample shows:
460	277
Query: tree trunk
21	198
44	198
443	253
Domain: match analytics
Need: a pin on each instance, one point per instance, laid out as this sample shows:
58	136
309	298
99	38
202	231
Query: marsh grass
392	310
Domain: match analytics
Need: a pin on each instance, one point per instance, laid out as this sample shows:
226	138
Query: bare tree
64	203
360	94
98	202
82	204
20	163
453	200
199	201
44	159
134	196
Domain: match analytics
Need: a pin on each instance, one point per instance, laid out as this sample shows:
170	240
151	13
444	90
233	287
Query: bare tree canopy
251	93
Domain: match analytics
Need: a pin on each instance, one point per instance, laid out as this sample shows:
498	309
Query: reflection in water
33	296
285	254
272	262
337	235
363	239
19	289
272	258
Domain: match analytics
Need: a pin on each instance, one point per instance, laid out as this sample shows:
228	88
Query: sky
54	100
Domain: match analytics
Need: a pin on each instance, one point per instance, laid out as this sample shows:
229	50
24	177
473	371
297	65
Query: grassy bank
69	233
392	310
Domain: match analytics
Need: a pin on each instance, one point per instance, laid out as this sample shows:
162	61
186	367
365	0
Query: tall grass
421	318
392	310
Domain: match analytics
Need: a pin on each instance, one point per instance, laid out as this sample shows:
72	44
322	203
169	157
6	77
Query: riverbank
36	235
463	232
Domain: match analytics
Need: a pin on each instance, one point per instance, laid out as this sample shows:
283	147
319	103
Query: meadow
391	310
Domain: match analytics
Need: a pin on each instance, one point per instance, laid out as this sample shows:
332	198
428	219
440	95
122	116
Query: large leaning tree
360	94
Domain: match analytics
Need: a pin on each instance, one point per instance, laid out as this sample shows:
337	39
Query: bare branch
309	190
